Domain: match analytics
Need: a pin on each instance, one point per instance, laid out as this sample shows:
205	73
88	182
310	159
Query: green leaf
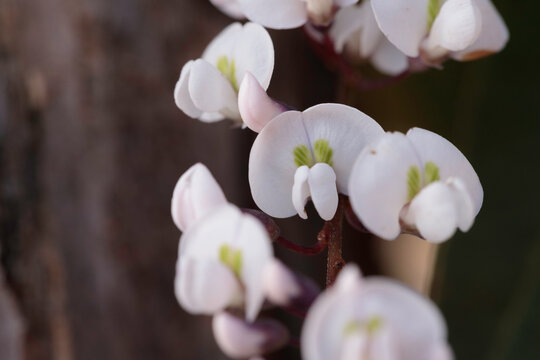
431	173
414	182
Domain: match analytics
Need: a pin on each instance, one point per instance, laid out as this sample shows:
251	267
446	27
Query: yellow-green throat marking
414	179
321	150
228	69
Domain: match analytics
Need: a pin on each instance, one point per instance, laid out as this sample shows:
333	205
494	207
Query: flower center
231	258
322	153
414	178
228	69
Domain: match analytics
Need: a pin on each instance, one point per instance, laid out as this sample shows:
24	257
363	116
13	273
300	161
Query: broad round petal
347	131
451	162
222	44
300	190
230	7
276	14
256	107
388	59
253	51
493	36
182	98
204	287
195	195
371	35
209	89
378	185
404	23
457	25
433	212
322	186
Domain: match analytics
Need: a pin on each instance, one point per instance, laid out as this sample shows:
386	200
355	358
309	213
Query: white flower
195	195
437	29
229	7
208	87
240	340
221	262
373	318
417	182
288	14
356	34
256	107
306	154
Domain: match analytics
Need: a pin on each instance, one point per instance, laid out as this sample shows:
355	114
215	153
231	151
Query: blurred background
91	145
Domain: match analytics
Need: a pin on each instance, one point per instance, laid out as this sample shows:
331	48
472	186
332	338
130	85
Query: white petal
349	278
256	107
229	7
195	195
300	190
254	52
451	162
388	59
403	22
463	203
346	23
182	98
209	89
222	44
493	36
457	25
434	212
441	351
204	286
276	14
384	346
271	164
378	185
355	346
322	186
343	3
280	284
370	35
347	131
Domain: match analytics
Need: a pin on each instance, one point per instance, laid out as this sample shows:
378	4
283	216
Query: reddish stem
331	234
304	250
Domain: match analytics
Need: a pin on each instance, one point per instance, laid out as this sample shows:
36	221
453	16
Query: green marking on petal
431	172
371	326
323	152
228	69
374	324
414	182
433	10
352	327
232	259
302	156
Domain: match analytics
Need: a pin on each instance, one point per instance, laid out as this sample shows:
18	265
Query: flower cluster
332	155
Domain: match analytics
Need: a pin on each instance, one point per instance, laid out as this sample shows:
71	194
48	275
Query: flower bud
196	193
240	339
292	291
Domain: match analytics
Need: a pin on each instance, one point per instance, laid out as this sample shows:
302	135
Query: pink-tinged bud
267	221
195	195
256	107
240	339
287	289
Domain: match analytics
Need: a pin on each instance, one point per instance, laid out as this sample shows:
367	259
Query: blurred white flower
230	7
288	14
299	155
373	318
437	29
418	183
256	107
208	87
221	262
356	34
195	195
239	339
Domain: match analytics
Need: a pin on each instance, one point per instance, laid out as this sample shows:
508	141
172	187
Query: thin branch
331	233
304	250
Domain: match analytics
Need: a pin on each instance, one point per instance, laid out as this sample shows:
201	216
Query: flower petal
322	186
271	164
209	89
451	162
300	190
457	25
256	107
388	59
433	212
195	195
463	203
404	23
355	346
276	14
204	287
230	7
254	52
346	23
182	98
222	44
378	185
347	131
493	36
343	3
370	35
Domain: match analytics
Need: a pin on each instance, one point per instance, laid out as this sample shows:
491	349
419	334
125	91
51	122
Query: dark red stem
304	250
331	234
